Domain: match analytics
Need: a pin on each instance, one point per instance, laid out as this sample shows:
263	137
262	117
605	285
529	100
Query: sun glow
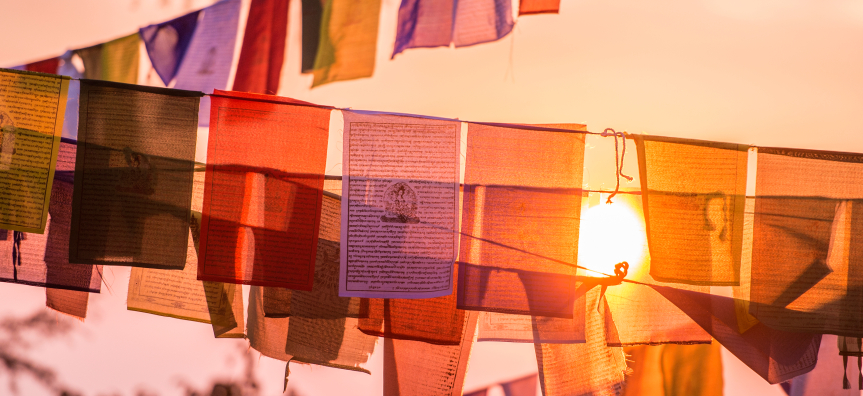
611	233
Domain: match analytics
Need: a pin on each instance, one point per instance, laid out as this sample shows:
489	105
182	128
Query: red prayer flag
263	190
263	52
49	66
527	7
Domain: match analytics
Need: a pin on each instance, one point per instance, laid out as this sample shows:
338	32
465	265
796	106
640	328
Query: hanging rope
618	160
18	236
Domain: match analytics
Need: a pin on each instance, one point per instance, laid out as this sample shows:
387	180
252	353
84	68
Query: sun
611	233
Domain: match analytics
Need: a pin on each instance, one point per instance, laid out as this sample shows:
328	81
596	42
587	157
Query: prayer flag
437	23
69	302
116	60
48	66
400	206
313	12
133	175
32	106
262	199
263	52
43	259
421	369
591	368
178	294
520	222
807	257
693	195
775	355
530	7
167	43
207	64
675	370
348	41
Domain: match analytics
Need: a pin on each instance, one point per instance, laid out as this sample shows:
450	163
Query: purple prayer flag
207	65
167	43
436	23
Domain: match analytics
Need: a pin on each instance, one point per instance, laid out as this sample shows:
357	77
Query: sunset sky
769	72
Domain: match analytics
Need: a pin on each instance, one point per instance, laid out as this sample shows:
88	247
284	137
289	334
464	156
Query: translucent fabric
312	13
431	320
807	255
520	221
32	106
323	302
328	342
178	294
591	368
207	64
263	53
69	302
116	60
348	41
422	369
134	174
49	66
693	196
43	259
528	7
775	355
167	43
432	23
261	207
675	370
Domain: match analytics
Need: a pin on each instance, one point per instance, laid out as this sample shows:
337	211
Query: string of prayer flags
591	368
436	23
178	294
262	207
520	222
167	43
674	370
347	42
400	206
263	51
48	66
693	196
313	13
807	257
43	259
133	175
530	7
208	60
32	106
69	302
422	369
116	60
775	355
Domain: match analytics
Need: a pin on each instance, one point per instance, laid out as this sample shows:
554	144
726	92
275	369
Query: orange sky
771	72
